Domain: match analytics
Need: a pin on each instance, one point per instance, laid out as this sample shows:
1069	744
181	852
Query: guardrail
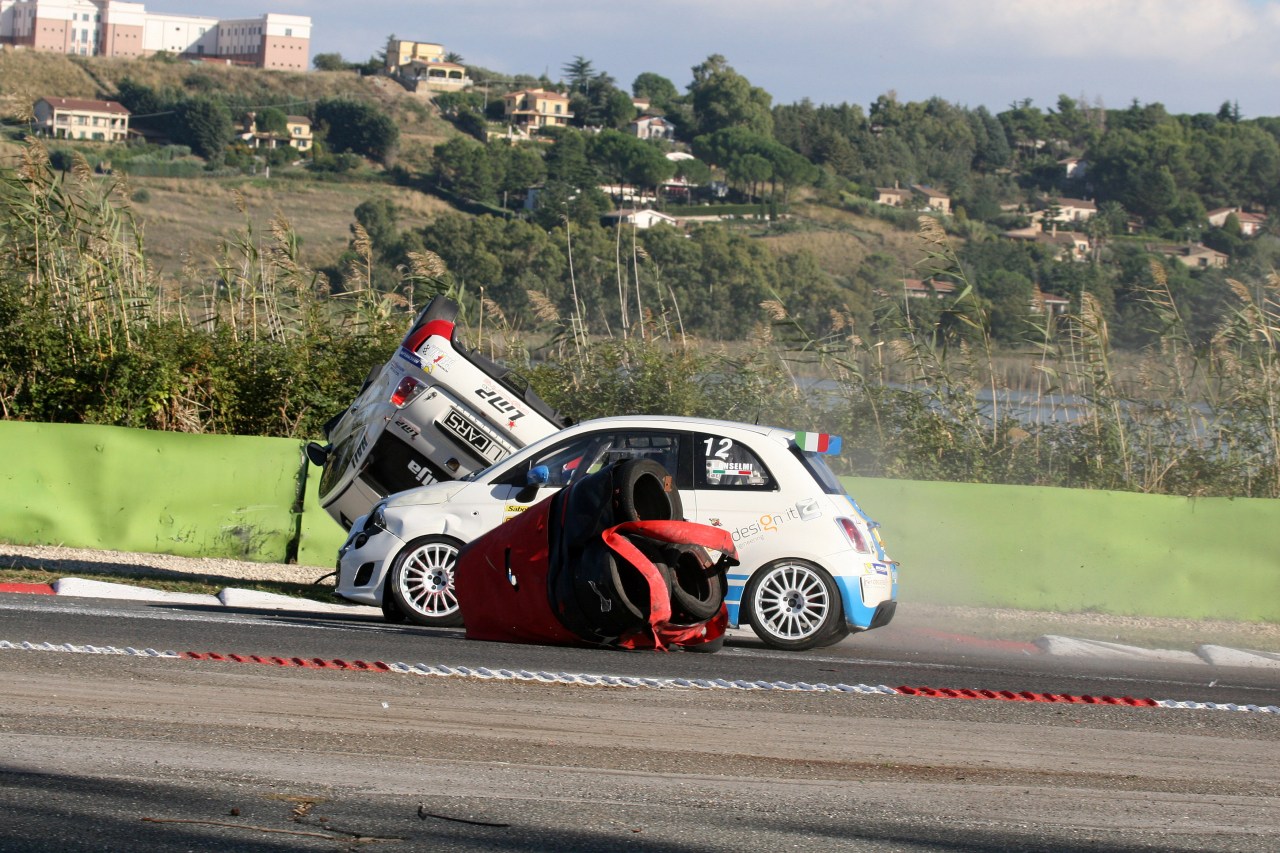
1067	550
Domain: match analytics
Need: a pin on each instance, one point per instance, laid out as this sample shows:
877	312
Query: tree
618	110
378	218
358	127
579	70
723	98
454	57
658	90
464	166
628	159
272	120
330	62
204	125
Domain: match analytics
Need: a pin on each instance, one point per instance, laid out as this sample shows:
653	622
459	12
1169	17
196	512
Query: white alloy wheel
794	605
421	582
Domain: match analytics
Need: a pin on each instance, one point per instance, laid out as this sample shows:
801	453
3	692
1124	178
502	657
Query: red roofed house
936	288
1250	223
80	118
530	109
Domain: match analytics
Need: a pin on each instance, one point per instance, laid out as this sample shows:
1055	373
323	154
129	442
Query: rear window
818	469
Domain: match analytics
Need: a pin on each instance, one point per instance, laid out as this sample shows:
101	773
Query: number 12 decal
726	444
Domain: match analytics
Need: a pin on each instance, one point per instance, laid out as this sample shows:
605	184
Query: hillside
184	219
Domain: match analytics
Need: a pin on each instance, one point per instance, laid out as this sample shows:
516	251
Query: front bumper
363	563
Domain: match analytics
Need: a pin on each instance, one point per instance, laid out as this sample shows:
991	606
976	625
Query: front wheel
794	605
420	582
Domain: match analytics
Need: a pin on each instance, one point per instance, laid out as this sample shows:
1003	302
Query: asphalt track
893	656
232	752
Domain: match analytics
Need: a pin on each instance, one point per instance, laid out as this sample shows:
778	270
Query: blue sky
1190	55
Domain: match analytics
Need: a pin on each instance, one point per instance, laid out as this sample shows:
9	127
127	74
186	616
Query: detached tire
696	592
794	605
640	493
420	582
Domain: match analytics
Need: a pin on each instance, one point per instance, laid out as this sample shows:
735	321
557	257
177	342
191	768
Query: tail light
406	392
855	535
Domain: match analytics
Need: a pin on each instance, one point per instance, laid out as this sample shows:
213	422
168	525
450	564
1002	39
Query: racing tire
706	648
696	593
839	632
391	611
640	494
421	585
793	605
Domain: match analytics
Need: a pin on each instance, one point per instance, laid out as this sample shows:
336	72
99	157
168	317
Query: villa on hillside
1194	255
81	118
298	134
424	63
1250	223
915	195
531	109
934	288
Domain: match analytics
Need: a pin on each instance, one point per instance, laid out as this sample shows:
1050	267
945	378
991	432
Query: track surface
112	752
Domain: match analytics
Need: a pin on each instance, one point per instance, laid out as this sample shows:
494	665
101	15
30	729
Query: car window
723	463
587	454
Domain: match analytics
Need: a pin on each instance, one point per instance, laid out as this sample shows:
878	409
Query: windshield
818	469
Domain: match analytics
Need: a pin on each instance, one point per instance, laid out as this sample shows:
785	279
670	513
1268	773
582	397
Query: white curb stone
1099	650
102	589
253	599
1223	656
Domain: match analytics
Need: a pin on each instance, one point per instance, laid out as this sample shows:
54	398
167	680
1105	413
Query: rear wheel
794	605
420	582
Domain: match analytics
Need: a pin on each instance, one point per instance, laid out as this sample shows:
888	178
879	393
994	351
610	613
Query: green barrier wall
320	536
153	492
957	543
1073	550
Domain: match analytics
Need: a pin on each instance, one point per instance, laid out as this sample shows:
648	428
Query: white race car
813	567
435	412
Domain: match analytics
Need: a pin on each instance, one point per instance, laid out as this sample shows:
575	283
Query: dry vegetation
841	240
188	219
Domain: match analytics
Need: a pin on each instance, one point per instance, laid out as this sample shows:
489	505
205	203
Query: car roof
679	422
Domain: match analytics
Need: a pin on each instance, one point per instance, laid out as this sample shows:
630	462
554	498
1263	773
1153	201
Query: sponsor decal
510	511
410	357
421	473
714	522
406	428
501	404
717	469
808	508
434	357
361	449
805	510
472	435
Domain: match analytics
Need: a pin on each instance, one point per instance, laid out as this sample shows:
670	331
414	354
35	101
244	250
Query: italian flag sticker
818	442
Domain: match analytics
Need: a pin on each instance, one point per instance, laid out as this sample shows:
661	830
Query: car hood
437	493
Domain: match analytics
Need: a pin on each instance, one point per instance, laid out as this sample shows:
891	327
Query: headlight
377	520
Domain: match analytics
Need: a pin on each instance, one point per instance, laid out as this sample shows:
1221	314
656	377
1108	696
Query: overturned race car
435	412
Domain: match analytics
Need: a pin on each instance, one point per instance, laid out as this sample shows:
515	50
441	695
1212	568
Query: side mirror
317	453
539	475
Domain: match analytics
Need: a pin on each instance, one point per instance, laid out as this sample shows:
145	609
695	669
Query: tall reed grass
255	341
